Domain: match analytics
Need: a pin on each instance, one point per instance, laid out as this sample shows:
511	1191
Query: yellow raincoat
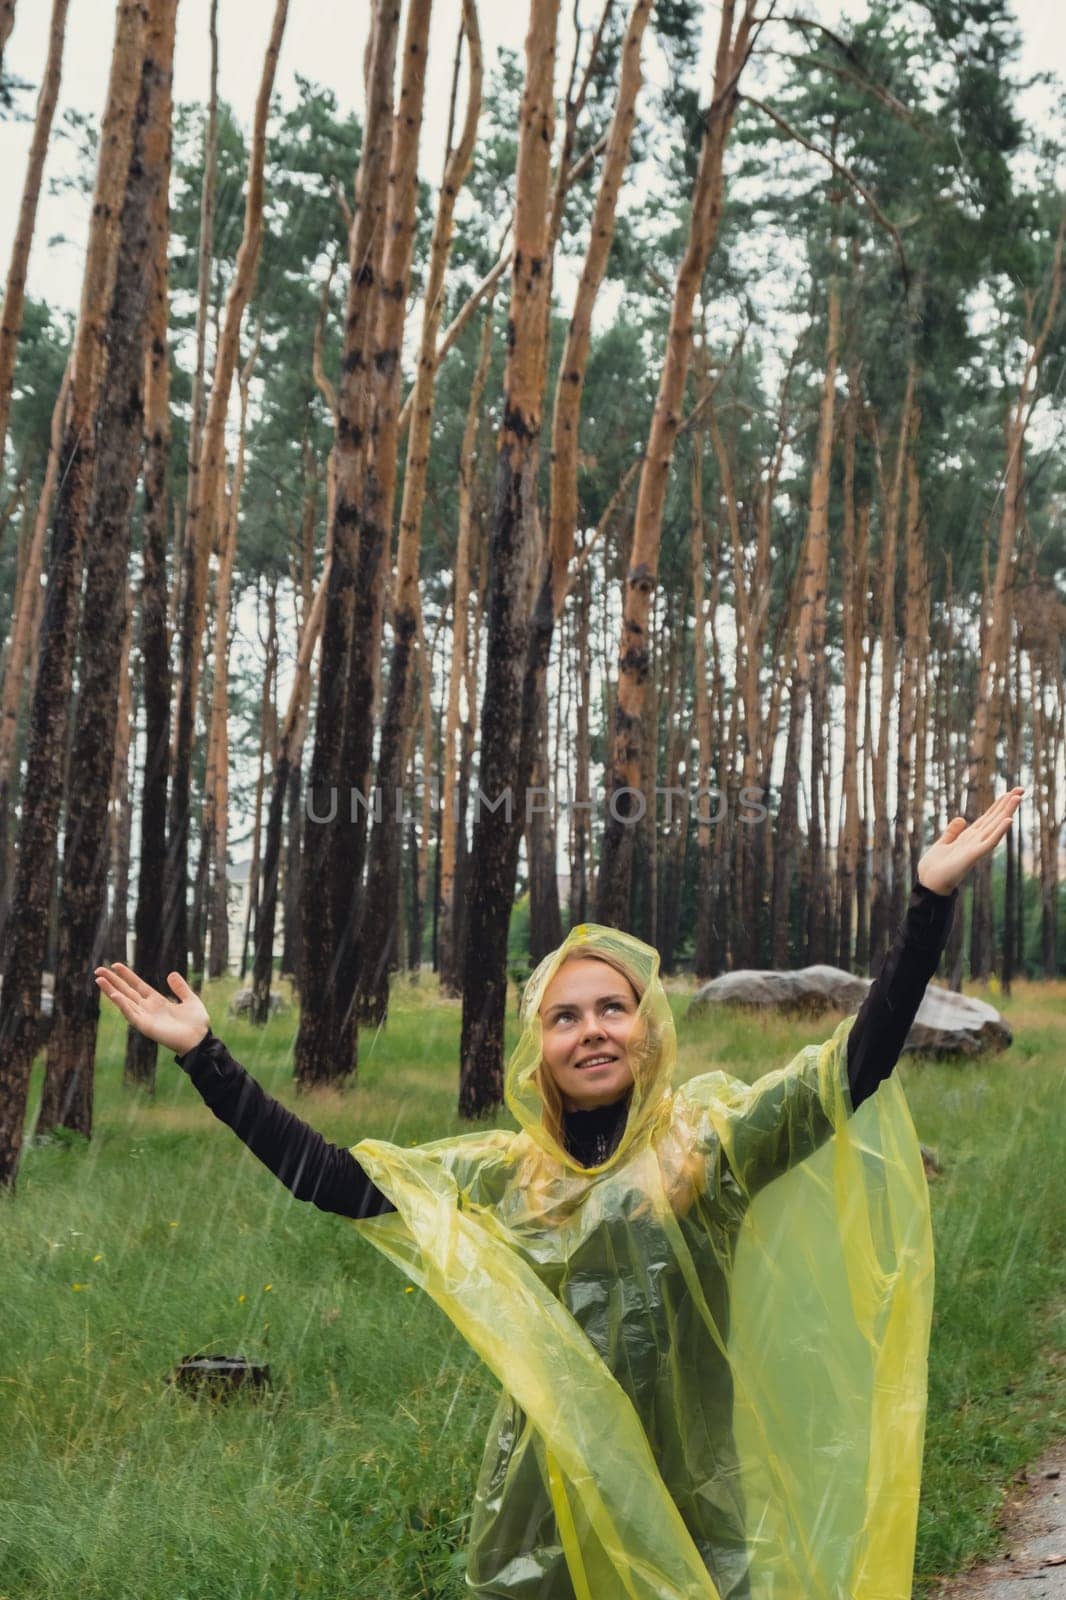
714	1383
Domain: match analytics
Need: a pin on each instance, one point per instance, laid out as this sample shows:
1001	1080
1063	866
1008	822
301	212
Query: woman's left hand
961	845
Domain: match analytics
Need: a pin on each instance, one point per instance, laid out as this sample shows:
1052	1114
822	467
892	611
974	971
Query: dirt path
1032	1562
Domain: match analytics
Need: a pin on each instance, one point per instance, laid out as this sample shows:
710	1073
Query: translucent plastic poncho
712	1347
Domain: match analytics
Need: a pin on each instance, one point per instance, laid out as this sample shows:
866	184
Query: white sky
323	41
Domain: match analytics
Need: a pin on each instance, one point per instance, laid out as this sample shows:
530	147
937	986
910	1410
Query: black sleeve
885	1017
306	1163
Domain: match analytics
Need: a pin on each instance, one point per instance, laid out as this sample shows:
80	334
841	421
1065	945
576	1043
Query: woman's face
587	1013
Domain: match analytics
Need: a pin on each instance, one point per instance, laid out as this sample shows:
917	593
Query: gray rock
241	1004
947	1023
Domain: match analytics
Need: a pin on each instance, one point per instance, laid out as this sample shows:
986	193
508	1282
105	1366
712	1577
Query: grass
354	1477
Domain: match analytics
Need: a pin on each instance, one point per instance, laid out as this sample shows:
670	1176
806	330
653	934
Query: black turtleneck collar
592	1135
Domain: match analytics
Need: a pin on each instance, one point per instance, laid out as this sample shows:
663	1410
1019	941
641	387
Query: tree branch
846	173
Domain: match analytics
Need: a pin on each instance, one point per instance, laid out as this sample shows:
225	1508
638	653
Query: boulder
241	1004
947	1023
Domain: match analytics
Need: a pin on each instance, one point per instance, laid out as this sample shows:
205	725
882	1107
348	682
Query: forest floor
1032	1521
163	1235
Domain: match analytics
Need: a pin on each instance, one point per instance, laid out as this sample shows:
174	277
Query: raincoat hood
711	1348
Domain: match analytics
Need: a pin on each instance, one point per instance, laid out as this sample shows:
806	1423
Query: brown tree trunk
810	645
705	810
378	922
149	955
203	309
853	596
25	627
286	765
328	859
514	569
268	738
429	797
545	918
675	802
26	936
625	761
67	1097
15	289
453	808
862	870
906	800
375	537
7	22
891	500
921	717
582	805
116	941
218	965
201	523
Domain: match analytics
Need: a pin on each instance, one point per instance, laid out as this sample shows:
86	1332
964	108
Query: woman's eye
611	1005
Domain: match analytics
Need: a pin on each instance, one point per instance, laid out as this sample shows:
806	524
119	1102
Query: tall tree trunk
286	765
219	914
378	922
623	783
7	22
908	684
25	627
15	289
582	804
453	802
200	533
375	539
704	617
116	941
149	955
545	920
67	1097
853	596
42	792
326	902
204	262
429	795
891	500
921	719
810	644
514	568
268	742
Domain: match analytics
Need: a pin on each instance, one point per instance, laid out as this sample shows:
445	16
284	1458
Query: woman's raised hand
178	1026
961	845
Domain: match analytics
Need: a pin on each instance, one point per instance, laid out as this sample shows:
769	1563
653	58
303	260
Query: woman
713	1383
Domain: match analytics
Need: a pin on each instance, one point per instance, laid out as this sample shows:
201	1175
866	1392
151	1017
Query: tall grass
354	1476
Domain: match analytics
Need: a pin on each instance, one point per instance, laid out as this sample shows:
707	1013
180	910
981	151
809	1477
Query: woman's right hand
178	1027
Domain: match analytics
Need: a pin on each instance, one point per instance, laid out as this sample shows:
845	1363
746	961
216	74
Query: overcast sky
323	41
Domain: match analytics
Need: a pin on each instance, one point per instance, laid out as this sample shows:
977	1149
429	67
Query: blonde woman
713	1383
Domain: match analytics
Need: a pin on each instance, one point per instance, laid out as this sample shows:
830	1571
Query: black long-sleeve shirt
313	1169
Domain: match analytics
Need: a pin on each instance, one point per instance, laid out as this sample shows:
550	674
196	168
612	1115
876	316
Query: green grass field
164	1236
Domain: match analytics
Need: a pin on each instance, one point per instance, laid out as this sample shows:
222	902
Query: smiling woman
730	1282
